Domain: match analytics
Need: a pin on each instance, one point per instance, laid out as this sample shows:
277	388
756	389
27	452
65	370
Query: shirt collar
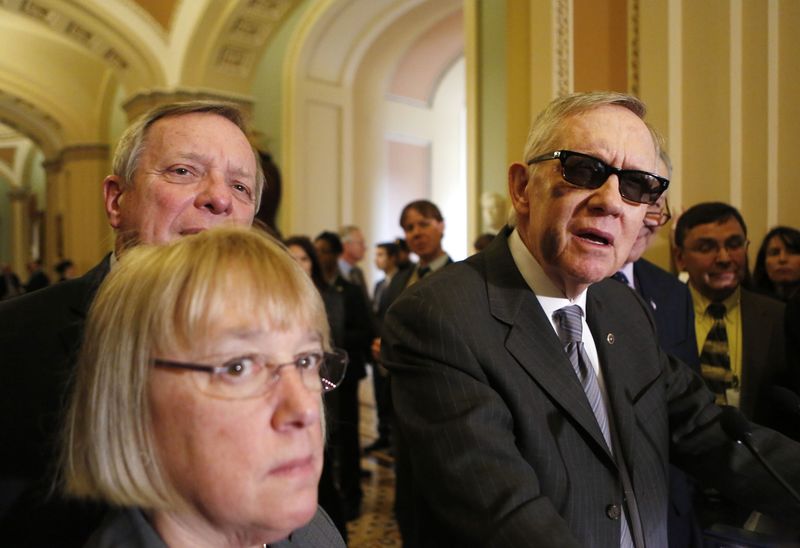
701	302
345	268
438	262
627	269
550	297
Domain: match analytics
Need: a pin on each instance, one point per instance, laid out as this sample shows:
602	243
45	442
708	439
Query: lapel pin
610	338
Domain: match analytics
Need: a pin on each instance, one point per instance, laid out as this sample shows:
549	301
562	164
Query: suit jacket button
610	338
613	511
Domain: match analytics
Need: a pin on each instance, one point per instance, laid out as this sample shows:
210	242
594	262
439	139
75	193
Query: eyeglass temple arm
181	365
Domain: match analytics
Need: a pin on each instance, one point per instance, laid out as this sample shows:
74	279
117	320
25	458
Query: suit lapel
756	337
78	303
615	336
531	339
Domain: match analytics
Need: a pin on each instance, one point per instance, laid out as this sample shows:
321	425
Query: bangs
249	273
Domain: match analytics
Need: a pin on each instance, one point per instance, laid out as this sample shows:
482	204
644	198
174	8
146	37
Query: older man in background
179	169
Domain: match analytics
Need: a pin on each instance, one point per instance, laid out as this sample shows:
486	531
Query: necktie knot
570	328
423	271
620	277
716	310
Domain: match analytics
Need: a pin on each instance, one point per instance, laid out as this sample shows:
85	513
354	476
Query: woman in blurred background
777	270
196	407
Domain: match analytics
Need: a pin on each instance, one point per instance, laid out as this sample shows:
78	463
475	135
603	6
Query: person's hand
376	349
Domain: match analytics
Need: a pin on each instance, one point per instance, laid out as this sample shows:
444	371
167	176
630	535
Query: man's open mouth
594	237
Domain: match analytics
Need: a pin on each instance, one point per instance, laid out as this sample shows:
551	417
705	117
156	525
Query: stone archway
341	64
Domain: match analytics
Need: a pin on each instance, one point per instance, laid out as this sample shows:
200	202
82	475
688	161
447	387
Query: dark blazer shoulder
672	307
56	303
319	533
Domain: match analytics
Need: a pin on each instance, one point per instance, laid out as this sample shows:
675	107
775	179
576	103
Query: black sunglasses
589	172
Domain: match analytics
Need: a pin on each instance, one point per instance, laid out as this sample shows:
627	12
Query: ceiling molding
48	13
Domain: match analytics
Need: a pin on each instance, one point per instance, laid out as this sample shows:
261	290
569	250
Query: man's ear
112	191
678	255
518	188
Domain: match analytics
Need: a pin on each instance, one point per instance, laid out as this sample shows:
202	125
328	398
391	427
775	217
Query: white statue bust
493	211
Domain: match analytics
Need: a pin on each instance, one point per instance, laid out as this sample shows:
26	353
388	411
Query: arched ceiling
63	59
417	74
340	32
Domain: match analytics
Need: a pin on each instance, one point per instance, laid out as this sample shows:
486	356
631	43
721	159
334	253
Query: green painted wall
268	84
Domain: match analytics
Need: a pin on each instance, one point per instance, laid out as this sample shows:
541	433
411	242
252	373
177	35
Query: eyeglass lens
320	372
589	172
707	245
252	376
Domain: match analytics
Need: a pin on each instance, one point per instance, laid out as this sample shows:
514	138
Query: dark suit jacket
671	305
763	356
39	335
351	323
792	331
672	308
128	528
396	286
505	448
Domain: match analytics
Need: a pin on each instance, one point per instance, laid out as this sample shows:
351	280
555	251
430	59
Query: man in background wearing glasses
532	395
747	357
672	310
740	334
669	297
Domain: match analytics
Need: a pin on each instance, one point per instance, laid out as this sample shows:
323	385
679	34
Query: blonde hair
163	299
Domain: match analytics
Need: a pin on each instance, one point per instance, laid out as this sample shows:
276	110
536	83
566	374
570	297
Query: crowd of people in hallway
200	385
11	286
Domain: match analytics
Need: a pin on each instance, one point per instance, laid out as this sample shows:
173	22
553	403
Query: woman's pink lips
294	466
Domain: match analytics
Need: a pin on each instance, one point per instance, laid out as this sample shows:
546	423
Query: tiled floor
376	526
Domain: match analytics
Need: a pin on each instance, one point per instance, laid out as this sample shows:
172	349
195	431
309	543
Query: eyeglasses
253	376
659	217
587	171
707	246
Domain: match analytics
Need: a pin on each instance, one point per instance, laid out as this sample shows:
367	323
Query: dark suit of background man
179	169
505	447
672	310
423	225
351	326
386	261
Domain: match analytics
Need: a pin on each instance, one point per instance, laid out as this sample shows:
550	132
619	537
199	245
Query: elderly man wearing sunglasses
539	405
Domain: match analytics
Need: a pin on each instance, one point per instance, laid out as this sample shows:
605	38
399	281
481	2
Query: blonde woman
196	408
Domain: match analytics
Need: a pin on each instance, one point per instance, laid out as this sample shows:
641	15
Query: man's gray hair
346	230
130	146
545	129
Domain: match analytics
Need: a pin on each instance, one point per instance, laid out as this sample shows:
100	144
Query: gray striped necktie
570	331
